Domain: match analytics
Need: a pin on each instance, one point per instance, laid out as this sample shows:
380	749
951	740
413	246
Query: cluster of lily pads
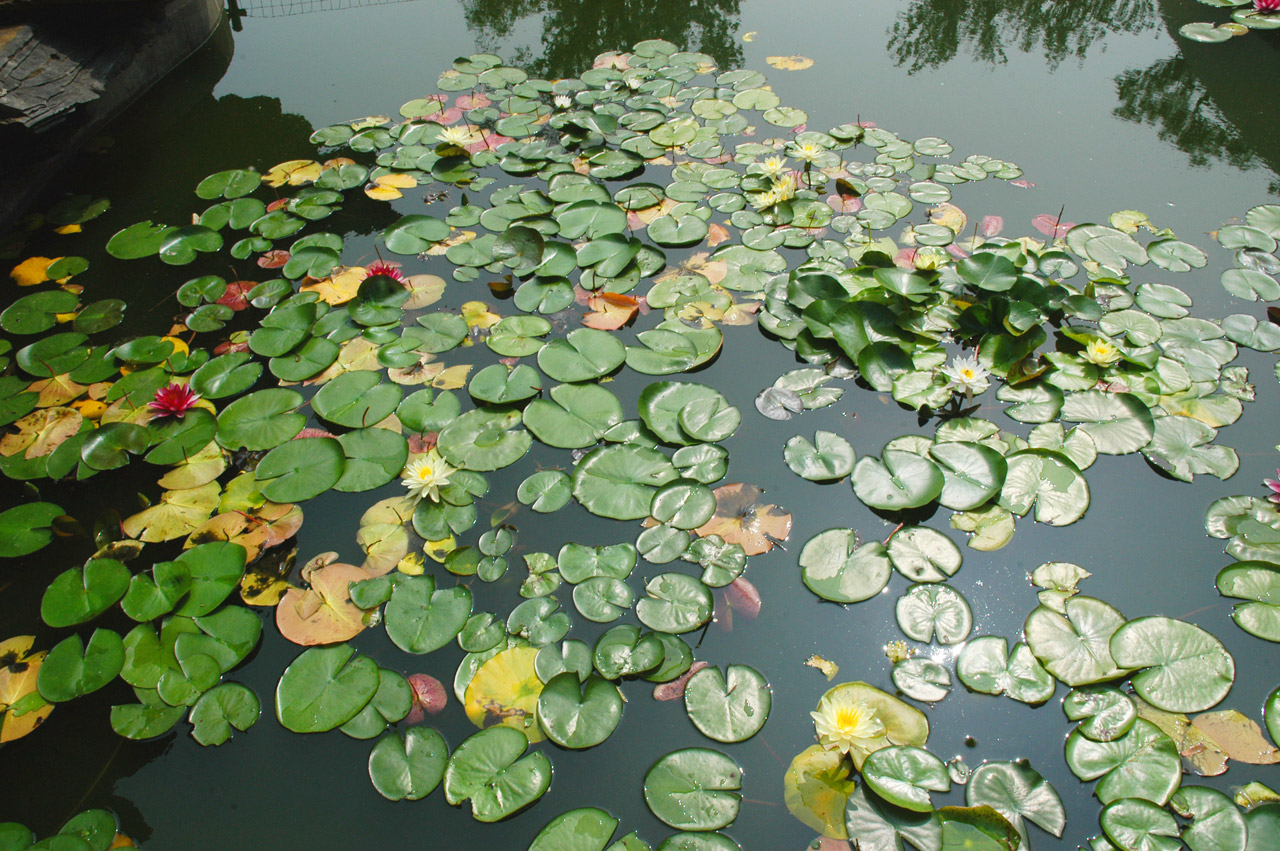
908	307
89	830
1246	15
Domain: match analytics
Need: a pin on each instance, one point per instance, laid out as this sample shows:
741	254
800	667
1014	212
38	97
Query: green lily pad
579	714
415	234
301	469
623	651
73	669
1144	763
883	826
483	440
1258	583
575	417
488	769
81	594
421	618
972	473
1105	714
904	776
694	789
829	458
24	529
1185	669
1017	791
728	707
583	829
620	481
220	709
261	420
922	554
986	665
676	603
546	490
922	679
1218	825
929	610
1135	823
228	375
1050	482
324	688
836	568
1118	422
582	355
602	599
1076	647
356	399
899	480
409	766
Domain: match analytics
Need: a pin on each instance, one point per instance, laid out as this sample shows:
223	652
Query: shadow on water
574	32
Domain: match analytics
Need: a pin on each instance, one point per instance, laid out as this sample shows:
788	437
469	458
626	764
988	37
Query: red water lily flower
173	400
1267	6
382	267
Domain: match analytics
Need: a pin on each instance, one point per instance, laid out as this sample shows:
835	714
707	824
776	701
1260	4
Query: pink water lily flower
173	400
1267	6
1274	485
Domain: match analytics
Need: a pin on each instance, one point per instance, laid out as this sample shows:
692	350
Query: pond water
1100	104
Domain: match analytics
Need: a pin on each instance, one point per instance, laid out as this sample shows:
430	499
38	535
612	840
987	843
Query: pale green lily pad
1185	669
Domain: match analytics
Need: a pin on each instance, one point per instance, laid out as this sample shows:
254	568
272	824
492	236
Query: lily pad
728	707
491	769
579	714
1185	669
836	568
694	789
409	766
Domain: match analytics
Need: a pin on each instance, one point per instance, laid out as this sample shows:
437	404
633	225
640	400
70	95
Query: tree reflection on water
574	32
930	32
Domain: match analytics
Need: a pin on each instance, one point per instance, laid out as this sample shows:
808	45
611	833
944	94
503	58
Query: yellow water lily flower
843	723
773	167
1101	352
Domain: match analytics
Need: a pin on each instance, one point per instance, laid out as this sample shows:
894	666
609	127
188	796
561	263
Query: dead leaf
716	234
323	613
19	669
32	271
339	287
40	432
452	378
610	311
293	172
828	669
179	513
58	390
674	690
1238	735
742	519
789	63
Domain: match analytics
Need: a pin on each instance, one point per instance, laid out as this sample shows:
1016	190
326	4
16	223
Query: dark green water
1102	106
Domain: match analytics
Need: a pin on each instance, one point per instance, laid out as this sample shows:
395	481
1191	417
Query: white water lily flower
563	101
1101	352
460	136
426	474
965	374
843	723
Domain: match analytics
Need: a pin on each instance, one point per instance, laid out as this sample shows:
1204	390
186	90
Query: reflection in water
1169	97
930	32
574	32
